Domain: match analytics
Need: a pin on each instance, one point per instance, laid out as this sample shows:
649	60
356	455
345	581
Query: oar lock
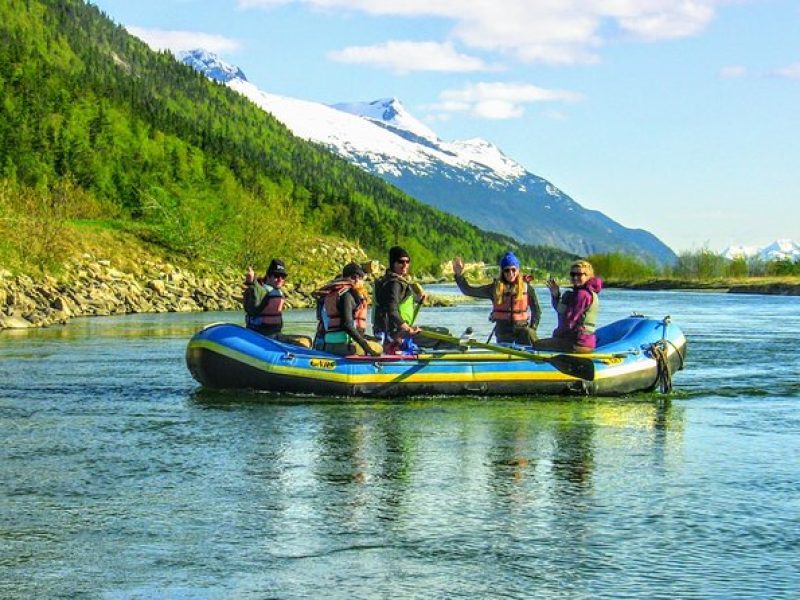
466	338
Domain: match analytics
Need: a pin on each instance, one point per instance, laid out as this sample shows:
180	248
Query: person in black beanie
342	306
395	298
263	301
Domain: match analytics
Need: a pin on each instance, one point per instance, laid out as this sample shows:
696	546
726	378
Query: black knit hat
396	253
352	270
276	267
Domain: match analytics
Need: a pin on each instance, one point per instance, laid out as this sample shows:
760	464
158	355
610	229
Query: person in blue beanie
515	308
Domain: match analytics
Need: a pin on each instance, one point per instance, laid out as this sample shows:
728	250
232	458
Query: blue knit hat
509	260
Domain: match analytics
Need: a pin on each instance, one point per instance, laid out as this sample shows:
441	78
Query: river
121	478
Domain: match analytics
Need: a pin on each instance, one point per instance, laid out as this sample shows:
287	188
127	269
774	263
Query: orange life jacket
510	302
263	305
271	313
330	295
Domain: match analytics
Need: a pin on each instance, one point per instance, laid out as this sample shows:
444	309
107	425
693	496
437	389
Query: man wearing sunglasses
577	310
263	303
515	308
396	302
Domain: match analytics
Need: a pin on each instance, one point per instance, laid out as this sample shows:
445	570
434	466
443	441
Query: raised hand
555	291
458	266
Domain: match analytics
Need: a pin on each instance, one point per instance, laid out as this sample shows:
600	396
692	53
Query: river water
121	478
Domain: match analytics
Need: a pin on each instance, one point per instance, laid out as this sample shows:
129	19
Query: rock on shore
93	286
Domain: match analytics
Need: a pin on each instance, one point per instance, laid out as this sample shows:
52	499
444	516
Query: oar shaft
575	366
523	353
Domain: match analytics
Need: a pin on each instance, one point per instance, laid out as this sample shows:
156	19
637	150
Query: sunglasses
279	276
510	270
404	261
577	274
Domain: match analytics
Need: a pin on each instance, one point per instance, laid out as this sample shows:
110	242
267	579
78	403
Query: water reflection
112	450
383	461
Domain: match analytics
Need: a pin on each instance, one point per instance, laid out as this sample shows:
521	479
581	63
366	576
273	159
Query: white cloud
789	71
404	57
497	100
547	31
654	20
733	72
175	41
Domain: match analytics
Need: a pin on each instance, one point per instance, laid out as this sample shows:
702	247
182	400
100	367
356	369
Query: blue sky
681	117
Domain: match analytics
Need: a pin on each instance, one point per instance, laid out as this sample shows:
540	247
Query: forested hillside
97	128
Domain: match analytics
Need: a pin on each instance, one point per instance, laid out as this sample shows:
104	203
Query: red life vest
270	301
511	307
330	301
271	314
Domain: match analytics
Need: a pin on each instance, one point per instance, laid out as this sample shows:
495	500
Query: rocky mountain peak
211	65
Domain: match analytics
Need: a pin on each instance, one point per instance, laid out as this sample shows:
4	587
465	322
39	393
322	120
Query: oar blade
575	366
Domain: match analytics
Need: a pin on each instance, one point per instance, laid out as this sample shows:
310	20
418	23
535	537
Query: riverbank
93	285
780	286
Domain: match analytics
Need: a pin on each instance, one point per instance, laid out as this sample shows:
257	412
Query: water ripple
121	478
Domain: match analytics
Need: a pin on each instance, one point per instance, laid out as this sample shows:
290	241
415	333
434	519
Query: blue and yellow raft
633	354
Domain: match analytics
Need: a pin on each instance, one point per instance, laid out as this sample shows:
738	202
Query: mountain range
777	250
472	179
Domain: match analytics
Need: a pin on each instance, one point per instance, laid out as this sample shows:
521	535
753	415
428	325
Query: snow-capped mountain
471	179
388	113
210	64
777	250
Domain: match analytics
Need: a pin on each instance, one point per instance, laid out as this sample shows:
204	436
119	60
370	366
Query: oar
576	366
417	288
417	306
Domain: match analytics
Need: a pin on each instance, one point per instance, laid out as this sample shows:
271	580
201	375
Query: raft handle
476	389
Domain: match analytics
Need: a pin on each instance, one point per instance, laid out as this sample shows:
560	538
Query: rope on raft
663	373
660	352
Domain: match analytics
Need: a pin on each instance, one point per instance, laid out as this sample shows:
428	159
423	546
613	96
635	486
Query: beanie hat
509	260
396	253
276	267
352	270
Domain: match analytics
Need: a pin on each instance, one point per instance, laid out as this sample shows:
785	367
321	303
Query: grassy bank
784	286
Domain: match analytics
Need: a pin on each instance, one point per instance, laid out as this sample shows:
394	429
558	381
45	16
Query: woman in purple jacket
577	311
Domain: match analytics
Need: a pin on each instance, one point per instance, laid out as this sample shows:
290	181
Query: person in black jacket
397	302
264	300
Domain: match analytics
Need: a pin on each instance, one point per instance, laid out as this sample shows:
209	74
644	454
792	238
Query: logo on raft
322	363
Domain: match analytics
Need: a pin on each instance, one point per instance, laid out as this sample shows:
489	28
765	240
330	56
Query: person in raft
577	310
395	299
515	308
342	312
263	301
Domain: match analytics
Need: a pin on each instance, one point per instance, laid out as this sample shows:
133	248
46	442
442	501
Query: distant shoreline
753	285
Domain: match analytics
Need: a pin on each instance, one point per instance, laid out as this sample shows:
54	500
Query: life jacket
330	321
264	305
509	301
588	322
405	306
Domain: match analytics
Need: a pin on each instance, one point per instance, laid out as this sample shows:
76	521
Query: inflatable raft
633	354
